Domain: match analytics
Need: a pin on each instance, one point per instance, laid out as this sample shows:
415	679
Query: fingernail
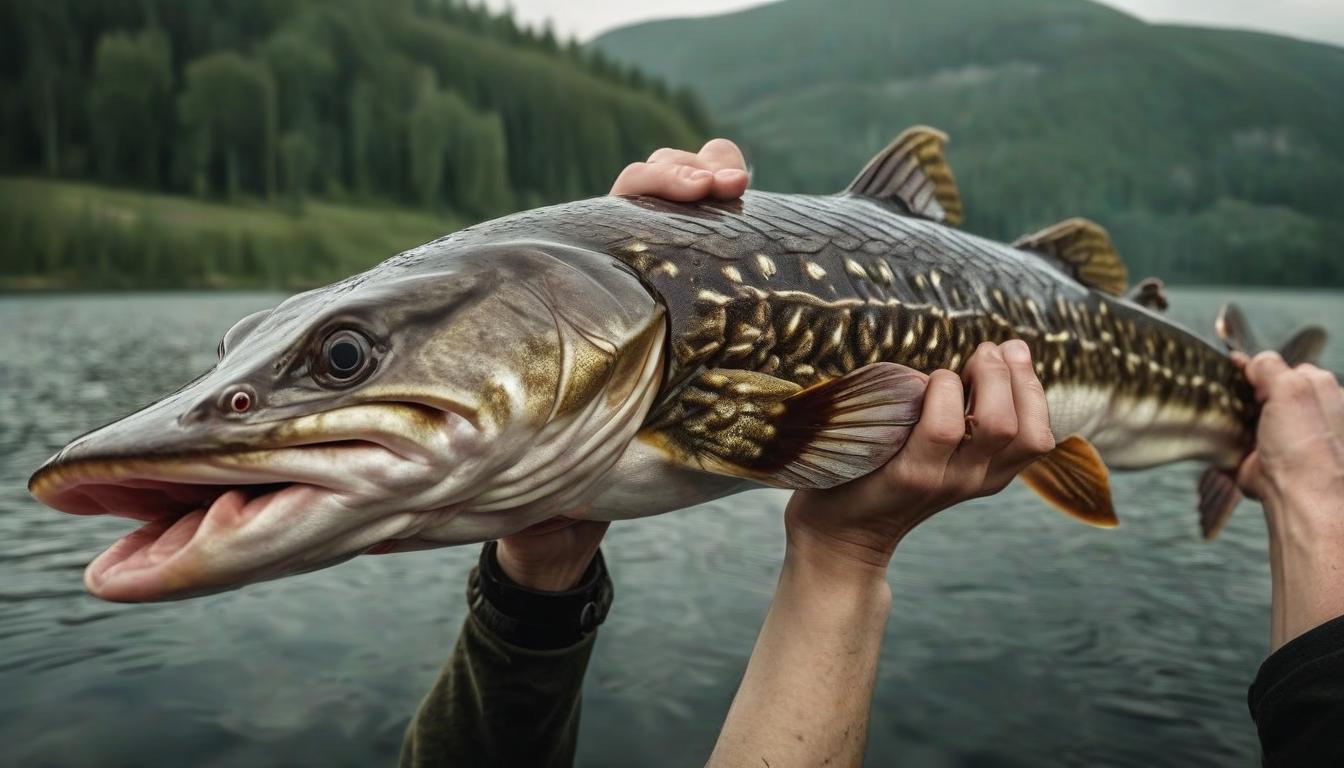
729	174
701	175
1016	351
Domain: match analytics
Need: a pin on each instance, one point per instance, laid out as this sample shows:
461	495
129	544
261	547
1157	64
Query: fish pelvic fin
766	429
913	172
1235	331
1075	480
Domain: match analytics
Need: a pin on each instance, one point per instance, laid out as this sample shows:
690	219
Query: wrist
846	565
534	619
552	573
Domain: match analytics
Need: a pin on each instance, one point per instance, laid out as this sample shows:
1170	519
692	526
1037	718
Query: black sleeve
510	693
1297	700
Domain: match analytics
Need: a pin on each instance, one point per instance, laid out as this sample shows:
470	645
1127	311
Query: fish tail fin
1232	327
1218	492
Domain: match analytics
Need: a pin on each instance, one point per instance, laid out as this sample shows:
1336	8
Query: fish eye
345	355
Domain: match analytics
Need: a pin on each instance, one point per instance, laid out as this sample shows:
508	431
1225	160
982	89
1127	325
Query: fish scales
808	288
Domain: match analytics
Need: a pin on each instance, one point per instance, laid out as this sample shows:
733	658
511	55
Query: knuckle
1001	428
946	435
1039	443
1317	375
1293	385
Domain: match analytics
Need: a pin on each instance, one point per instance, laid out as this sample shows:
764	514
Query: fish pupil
240	402
344	356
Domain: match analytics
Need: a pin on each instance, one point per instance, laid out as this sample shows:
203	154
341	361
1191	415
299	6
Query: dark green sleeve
497	704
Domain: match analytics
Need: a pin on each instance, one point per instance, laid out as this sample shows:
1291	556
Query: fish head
403	408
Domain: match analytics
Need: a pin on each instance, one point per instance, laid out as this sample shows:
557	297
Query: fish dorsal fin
1075	479
759	427
1149	292
1084	250
913	172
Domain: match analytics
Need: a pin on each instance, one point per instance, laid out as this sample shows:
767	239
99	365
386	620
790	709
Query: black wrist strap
533	619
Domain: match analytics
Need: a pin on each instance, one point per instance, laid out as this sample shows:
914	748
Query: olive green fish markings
625	356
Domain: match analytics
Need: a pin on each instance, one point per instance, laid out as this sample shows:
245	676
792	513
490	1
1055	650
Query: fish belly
1140	432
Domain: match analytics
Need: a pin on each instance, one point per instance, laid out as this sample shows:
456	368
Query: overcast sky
1308	19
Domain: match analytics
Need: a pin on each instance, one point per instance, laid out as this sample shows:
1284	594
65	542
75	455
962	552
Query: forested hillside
1211	155
435	104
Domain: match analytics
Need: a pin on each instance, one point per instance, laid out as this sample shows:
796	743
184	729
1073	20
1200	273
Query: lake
1017	636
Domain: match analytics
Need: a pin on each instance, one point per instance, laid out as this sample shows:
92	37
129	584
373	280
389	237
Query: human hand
1297	471
950	457
1300	439
717	170
553	555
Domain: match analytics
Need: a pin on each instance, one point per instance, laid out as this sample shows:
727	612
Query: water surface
1017	636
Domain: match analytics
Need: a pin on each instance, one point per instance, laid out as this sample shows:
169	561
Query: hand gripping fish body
625	356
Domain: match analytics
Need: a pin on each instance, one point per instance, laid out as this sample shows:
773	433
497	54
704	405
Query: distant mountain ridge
1211	155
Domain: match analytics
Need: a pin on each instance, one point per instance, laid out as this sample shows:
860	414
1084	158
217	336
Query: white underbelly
1134	433
646	482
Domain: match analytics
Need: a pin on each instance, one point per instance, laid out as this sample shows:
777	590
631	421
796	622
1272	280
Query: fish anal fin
758	427
913	172
1074	479
1218	496
1083	249
1149	292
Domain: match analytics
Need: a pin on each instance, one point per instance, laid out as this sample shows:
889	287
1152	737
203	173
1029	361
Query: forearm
520	658
471	716
1306	533
805	696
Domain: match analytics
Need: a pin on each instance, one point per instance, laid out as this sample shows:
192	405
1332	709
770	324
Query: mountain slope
1211	155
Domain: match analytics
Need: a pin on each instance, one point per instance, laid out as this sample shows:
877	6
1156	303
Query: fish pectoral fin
1083	249
1073	478
913	172
762	428
1218	496
1149	292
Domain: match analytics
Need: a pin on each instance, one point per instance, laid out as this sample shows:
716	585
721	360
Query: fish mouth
217	521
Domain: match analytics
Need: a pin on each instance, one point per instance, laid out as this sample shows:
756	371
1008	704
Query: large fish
625	356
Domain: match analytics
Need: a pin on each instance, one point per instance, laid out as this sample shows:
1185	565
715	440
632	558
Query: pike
625	356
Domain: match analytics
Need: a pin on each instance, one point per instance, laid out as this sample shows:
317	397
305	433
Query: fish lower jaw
213	523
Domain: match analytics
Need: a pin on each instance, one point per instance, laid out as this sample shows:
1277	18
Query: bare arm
806	694
1297	471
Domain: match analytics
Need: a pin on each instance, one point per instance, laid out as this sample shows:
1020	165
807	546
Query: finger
1328	392
1034	438
993	418
730	184
722	154
941	426
681	157
1239	359
1261	372
671	182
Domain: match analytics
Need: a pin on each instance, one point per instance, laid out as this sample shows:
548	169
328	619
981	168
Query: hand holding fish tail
718	170
1297	471
941	465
